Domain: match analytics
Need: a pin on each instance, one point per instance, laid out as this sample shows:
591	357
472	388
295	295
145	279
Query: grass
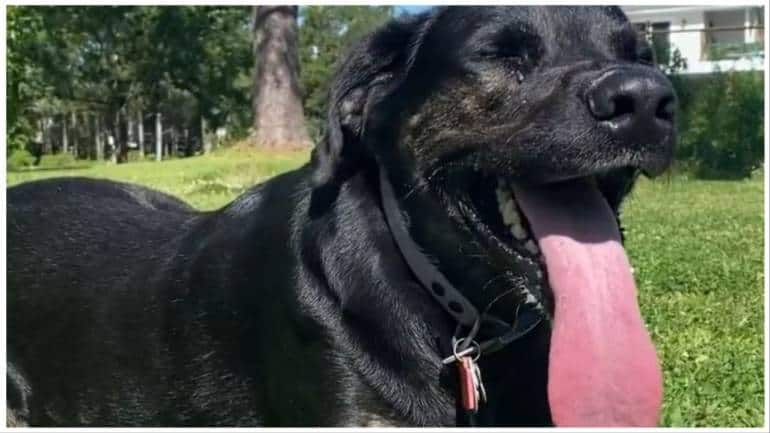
206	182
697	247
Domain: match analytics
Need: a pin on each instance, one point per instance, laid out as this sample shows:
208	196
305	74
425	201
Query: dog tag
481	392
469	392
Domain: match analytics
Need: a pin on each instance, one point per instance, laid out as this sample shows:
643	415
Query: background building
707	37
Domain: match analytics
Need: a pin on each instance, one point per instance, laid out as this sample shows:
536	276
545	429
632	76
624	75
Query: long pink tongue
603	370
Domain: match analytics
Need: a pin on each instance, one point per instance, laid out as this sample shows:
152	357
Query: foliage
105	60
326	34
734	51
206	51
25	84
19	159
675	63
721	125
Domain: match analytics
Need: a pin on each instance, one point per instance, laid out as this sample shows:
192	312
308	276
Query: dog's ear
373	69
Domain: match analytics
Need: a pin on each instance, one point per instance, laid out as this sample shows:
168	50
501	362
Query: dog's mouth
603	369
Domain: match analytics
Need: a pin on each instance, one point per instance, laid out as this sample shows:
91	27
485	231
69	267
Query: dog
451	254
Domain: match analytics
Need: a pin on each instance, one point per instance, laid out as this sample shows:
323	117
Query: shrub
721	124
19	159
60	160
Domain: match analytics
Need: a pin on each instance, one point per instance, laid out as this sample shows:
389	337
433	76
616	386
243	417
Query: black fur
292	305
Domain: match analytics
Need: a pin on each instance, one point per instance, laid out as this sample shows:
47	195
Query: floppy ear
372	70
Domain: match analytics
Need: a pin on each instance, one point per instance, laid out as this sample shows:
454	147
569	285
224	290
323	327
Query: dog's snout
632	101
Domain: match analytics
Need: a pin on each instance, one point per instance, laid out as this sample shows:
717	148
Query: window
658	36
727	36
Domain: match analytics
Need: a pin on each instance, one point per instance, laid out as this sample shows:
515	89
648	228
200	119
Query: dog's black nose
635	103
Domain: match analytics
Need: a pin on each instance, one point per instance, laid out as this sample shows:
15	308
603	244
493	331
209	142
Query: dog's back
128	307
73	246
61	231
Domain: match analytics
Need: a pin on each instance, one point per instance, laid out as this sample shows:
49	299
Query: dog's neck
452	300
362	269
444	254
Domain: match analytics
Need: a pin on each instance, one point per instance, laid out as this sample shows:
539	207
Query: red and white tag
468	392
471	388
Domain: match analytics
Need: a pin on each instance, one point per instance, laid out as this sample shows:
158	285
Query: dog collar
439	287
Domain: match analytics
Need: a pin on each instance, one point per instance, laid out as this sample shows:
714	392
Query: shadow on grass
36	169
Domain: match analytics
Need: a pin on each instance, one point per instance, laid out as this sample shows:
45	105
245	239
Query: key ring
474	348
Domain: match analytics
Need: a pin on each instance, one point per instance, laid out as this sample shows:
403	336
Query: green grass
206	182
697	247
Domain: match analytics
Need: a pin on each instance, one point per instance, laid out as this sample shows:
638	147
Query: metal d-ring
474	348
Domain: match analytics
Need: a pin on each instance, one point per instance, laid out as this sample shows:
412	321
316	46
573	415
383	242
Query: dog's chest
369	419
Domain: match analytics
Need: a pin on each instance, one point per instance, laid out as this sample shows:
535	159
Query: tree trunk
171	142
75	135
279	122
99	141
140	133
158	137
114	139
47	138
205	136
188	150
130	136
113	147
64	139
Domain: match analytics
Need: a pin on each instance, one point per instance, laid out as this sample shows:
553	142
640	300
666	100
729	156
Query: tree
206	52
326	35
113	63
279	122
28	58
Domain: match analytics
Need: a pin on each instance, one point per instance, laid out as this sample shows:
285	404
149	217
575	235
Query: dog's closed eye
517	48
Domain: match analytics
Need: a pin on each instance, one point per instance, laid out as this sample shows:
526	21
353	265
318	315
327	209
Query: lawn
697	248
206	182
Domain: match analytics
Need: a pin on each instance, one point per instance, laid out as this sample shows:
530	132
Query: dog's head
511	136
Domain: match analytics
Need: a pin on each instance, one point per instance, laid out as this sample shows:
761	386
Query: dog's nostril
666	108
623	104
608	105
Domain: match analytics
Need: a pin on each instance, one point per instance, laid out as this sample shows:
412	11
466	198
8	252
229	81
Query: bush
721	124
60	161
19	159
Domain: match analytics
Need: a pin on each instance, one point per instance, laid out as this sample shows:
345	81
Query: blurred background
203	102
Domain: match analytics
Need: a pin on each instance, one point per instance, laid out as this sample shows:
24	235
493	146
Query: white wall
692	19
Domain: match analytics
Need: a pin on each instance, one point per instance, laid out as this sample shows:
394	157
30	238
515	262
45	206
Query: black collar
450	299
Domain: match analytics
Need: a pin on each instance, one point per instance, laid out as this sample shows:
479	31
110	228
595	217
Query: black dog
466	193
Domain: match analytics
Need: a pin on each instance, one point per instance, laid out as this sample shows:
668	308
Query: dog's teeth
502	195
518	232
504	202
515	213
531	247
508	212
531	299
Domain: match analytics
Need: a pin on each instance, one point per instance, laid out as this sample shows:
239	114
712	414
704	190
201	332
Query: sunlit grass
697	247
206	182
